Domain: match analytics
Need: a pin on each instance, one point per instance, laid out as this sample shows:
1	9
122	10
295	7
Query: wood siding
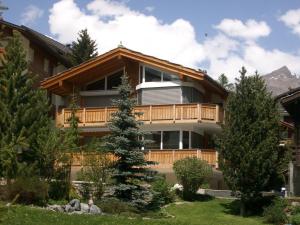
164	158
181	113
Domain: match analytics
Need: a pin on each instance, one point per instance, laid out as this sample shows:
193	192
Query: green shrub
295	219
31	190
295	210
115	206
162	193
58	190
275	213
192	173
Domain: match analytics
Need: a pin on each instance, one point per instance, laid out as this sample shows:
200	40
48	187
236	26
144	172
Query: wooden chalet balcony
165	158
178	113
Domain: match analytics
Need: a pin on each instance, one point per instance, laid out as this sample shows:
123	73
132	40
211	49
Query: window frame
142	74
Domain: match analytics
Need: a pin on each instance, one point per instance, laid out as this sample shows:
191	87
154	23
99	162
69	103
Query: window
170	139
97	85
170	77
197	140
141	75
185	140
191	95
155	138
152	75
114	80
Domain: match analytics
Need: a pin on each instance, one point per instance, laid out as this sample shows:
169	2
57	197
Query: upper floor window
110	82
149	74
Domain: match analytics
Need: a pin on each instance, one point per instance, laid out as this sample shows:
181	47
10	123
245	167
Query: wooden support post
173	156
217	160
149	155
199	111
174	113
181	112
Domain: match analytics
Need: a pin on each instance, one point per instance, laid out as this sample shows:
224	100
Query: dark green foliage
125	143
163	194
83	49
31	190
223	81
250	156
295	219
115	206
23	111
191	173
275	213
295	210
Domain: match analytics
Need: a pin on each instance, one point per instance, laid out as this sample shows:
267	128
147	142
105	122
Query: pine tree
126	144
223	81
23	110
83	49
249	144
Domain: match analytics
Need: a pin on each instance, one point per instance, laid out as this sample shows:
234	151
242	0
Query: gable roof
59	50
122	52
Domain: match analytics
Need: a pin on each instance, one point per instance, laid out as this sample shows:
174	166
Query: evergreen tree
249	144
23	110
83	49
126	144
223	81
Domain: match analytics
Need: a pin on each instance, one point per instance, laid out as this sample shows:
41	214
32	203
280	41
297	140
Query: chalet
45	56
291	102
182	107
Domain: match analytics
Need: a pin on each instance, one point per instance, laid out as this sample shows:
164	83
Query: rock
84	207
295	204
95	210
75	203
56	208
69	208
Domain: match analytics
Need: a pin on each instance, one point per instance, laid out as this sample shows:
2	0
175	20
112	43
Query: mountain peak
281	80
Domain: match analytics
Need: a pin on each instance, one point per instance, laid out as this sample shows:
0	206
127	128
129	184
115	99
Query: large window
97	85
114	80
185	139
197	140
148	74
171	139
152	75
191	95
110	82
155	138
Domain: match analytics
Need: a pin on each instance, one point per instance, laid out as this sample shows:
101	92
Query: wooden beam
65	86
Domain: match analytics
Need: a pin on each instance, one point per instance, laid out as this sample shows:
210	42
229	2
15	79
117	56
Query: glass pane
155	138
185	139
171	139
152	75
114	80
170	77
98	85
197	140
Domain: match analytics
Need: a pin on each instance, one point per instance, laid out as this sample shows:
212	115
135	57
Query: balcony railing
178	113
164	158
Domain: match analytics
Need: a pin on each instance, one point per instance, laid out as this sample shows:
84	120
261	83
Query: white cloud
110	22
251	29
31	14
292	20
174	41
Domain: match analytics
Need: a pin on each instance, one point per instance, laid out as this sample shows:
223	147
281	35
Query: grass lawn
214	212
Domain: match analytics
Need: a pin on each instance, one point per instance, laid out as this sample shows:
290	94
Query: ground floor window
173	140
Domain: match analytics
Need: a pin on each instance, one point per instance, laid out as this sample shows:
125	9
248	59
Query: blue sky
259	34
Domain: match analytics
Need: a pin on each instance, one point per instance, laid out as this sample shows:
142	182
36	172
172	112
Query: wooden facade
182	113
203	115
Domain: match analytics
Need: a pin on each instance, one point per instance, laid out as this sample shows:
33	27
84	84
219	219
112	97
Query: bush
191	173
275	213
295	219
295	210
162	193
58	190
31	190
115	206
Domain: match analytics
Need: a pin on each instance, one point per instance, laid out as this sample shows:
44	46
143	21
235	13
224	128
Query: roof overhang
117	57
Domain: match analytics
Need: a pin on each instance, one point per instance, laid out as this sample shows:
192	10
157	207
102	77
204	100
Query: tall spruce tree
223	81
23	110
249	144
83	49
126	144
